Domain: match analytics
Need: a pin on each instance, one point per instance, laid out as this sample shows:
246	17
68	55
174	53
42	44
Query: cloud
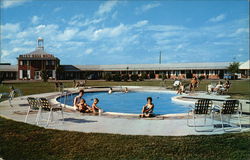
57	9
9	30
146	7
89	51
67	34
10	27
160	28
217	18
109	32
79	21
12	3
35	19
141	23
106	7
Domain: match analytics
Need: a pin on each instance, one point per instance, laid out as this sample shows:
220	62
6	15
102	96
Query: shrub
221	75
152	76
144	76
44	75
189	75
141	79
125	77
134	77
117	77
108	77
201	78
164	76
160	76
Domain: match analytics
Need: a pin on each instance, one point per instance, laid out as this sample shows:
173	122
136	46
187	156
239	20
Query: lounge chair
229	108
44	105
203	107
33	105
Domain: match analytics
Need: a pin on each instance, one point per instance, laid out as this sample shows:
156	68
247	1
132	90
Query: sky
127	32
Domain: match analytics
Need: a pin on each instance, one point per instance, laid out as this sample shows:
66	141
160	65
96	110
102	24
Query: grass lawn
24	141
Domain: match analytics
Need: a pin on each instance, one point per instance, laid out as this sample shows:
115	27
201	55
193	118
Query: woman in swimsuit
147	110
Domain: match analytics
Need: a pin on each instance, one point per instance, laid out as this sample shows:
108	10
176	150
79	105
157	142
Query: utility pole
160	58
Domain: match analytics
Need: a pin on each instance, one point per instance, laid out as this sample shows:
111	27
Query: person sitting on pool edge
77	99
96	109
84	107
126	90
110	90
147	110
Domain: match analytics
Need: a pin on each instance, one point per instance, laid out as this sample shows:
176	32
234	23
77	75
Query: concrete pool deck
167	125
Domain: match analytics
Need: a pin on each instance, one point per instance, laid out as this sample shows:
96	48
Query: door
37	75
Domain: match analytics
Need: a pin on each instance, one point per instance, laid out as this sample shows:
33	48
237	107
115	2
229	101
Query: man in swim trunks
77	99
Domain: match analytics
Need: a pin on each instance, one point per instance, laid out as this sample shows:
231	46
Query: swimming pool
131	102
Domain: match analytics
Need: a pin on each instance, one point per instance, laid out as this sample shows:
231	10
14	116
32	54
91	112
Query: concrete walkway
172	125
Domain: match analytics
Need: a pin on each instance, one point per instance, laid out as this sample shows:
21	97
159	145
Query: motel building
31	64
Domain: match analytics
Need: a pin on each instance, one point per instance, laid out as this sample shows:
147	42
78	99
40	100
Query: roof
38	54
70	68
170	66
8	68
245	65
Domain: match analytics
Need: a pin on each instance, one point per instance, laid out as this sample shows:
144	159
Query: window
21	63
24	62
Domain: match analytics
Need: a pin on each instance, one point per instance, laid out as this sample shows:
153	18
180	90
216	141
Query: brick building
31	64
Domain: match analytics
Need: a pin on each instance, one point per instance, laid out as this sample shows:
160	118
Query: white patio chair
229	109
203	107
33	105
44	105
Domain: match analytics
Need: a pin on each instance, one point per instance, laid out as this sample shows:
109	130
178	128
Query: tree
44	75
59	72
234	67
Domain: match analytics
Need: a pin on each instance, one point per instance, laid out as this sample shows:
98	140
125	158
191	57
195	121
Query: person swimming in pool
84	107
96	109
147	110
77	99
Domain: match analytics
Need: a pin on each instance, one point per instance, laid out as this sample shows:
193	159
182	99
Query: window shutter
28	74
21	74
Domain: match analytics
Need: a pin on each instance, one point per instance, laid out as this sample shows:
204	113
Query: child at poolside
84	107
181	89
95	109
126	90
110	90
147	110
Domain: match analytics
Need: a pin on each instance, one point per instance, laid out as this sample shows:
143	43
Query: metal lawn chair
230	108
44	105
203	107
33	105
11	96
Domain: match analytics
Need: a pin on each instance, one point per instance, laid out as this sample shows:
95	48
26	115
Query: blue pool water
131	102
